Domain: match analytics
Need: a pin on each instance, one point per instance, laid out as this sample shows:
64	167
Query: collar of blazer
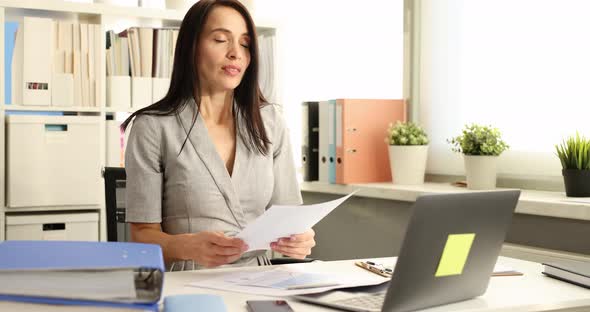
200	141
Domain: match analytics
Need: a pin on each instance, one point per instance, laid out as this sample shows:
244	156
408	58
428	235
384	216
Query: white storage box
141	92
52	161
119	92
55	226
160	87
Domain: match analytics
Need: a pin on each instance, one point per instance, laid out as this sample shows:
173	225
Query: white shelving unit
28	108
109	17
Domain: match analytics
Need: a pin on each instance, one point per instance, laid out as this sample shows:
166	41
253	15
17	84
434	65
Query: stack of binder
348	135
124	275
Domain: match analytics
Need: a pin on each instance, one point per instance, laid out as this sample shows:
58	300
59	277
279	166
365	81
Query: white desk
531	292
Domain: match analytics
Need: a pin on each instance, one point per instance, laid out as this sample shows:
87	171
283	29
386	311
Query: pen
316	285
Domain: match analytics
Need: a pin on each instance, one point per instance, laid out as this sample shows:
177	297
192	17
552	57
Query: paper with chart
286	281
284	221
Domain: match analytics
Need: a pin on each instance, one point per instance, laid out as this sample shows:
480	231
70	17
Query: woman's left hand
297	246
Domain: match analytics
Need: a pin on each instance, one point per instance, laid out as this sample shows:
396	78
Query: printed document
286	281
284	221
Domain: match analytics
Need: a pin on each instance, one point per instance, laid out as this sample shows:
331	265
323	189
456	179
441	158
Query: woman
212	155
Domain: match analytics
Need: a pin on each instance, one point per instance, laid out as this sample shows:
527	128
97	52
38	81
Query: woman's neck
217	108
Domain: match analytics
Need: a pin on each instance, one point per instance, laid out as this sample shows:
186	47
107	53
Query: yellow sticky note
455	254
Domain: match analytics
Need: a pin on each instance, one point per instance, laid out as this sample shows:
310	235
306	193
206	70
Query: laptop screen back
450	248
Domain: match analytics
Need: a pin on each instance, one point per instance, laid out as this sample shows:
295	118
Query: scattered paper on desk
279	281
284	221
282	279
502	270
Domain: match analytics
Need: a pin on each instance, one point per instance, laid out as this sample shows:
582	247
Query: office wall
366	227
333	49
359	228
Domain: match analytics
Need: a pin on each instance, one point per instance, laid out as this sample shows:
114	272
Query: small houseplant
408	150
574	154
480	146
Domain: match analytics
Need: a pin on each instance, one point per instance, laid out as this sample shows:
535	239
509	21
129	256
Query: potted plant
481	146
574	154
408	151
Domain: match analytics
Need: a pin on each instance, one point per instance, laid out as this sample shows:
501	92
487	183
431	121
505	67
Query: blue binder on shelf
140	265
10	29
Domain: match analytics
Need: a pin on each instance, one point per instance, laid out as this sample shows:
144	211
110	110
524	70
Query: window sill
540	203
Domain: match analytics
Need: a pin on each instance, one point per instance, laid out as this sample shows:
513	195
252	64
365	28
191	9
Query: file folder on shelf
310	148
332	141
10	29
39	271
37	61
324	139
361	128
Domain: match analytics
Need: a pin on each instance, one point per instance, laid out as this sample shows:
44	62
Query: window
520	65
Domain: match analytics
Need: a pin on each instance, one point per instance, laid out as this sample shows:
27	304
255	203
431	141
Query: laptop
451	246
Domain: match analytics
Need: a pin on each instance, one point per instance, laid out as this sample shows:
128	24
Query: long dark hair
184	83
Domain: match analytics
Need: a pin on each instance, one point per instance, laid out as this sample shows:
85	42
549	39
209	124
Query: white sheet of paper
283	279
274	281
284	221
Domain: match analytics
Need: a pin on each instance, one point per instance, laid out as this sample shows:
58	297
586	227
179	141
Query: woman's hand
211	249
297	246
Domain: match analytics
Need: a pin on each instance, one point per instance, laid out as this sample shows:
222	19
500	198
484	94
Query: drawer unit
53	226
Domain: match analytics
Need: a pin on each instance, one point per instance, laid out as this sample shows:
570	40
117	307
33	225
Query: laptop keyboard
370	302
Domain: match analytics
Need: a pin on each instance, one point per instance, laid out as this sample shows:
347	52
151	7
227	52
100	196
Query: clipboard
376	268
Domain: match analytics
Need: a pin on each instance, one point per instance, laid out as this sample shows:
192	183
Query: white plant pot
480	172
408	163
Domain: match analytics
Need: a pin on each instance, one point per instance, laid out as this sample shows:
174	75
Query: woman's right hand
211	249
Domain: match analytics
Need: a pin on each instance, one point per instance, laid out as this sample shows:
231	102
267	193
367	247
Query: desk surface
531	292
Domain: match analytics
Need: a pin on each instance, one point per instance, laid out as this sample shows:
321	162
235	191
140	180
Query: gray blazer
193	191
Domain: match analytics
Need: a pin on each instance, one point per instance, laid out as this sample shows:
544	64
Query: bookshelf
108	17
74	109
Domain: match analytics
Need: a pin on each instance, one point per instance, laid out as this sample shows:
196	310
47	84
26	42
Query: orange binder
361	129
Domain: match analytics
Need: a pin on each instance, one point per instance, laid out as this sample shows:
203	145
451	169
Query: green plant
406	133
574	153
479	140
